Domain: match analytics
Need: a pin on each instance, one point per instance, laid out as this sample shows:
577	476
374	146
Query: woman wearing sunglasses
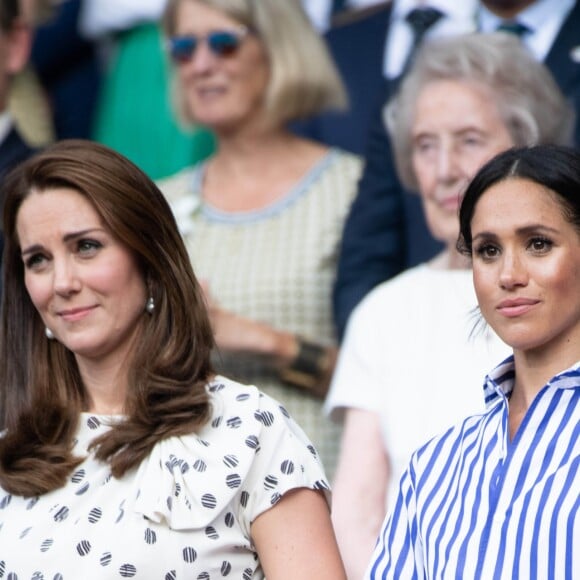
262	218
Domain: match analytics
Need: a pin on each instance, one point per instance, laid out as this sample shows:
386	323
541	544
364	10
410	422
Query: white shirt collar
6	123
459	18
544	18
452	8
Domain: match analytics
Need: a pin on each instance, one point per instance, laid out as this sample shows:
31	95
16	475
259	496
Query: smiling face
456	129
526	268
85	284
222	92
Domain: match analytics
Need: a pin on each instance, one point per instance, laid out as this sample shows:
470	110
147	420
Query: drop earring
150	306
49	334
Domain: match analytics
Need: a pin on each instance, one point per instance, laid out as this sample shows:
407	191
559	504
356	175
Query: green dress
135	116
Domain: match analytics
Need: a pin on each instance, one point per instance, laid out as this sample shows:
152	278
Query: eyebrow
523	231
455	133
66	238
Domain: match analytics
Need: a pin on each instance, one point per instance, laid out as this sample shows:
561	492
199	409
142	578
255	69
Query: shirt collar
500	381
450	8
458	18
6	123
534	16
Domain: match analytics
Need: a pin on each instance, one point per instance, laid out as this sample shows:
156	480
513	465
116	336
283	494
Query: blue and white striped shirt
473	504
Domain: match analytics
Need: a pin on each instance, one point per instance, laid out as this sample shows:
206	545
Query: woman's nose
447	164
202	59
66	279
513	273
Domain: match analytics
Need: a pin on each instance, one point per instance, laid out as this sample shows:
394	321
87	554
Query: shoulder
348	158
563	53
179	185
357	20
332	183
380	298
233	402
239	408
345	162
248	455
13	150
347	166
448	450
182	194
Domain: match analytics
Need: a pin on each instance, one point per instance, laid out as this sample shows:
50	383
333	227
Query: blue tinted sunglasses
220	42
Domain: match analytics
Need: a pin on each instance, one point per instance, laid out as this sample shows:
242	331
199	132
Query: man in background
15	38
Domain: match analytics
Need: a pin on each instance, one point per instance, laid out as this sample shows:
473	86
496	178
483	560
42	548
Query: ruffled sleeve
240	464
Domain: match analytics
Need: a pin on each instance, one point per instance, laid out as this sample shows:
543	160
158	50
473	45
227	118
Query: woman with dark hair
460	104
122	453
497	495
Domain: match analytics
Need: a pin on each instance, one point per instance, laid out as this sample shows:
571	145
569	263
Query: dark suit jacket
13	150
566	70
68	67
385	231
374	243
357	47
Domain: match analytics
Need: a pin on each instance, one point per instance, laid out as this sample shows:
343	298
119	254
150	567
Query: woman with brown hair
122	452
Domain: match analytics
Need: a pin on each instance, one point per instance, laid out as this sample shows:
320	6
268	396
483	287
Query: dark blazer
563	60
385	231
13	150
374	244
68	67
356	43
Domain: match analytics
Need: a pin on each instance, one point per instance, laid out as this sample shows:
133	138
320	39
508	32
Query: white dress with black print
184	513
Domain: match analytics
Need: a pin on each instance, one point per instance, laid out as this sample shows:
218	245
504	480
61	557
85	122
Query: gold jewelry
309	366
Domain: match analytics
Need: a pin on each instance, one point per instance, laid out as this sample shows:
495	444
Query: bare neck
255	147
533	371
105	382
251	172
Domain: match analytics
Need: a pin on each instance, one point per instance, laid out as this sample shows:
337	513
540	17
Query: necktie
420	20
513	27
338	6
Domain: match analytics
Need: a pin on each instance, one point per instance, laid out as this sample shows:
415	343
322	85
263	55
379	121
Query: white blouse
185	512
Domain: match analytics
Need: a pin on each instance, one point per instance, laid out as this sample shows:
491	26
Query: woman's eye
541	245
424	147
34	262
88	246
487	251
471	140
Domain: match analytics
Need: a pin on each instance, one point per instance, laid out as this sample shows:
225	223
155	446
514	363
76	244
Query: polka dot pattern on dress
185	512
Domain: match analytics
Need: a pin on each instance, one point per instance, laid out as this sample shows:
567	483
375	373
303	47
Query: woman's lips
451	203
74	314
516	307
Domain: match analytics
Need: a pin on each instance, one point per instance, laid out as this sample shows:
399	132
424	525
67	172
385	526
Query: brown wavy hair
41	390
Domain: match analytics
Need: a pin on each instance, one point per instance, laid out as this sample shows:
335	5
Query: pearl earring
150	306
49	334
